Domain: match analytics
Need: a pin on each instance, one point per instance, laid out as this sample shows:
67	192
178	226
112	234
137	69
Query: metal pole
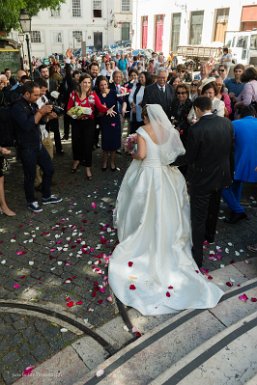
30	64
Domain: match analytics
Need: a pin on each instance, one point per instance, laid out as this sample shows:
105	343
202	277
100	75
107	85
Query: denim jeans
30	157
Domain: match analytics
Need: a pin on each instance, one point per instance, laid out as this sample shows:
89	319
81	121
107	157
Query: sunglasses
181	93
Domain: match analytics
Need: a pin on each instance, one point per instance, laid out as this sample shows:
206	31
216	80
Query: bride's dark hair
144	113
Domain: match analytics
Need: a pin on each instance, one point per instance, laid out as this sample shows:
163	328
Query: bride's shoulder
141	131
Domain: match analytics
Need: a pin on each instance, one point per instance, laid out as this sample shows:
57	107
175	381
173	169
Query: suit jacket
153	95
208	153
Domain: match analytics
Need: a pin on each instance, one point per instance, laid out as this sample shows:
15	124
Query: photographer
45	135
27	118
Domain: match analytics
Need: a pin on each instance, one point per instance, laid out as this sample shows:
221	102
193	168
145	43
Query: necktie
163	89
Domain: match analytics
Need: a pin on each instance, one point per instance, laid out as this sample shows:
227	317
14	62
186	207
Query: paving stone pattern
60	256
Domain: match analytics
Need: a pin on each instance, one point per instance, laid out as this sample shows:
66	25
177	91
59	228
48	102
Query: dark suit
53	125
208	155
153	95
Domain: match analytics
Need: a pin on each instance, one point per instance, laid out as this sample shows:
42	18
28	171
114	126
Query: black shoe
65	138
235	217
210	239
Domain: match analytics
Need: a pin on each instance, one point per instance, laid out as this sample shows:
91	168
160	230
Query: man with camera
27	118
53	125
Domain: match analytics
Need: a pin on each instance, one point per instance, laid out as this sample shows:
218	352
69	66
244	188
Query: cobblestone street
58	259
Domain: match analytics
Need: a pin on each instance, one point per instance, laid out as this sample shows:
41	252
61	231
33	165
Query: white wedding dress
152	268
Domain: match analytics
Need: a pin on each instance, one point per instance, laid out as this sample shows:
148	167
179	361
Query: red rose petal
132	287
21	252
167	294
170	287
130	264
28	371
79	303
253	299
229	284
93	205
70	304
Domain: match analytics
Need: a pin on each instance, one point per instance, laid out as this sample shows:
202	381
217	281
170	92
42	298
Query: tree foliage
10	10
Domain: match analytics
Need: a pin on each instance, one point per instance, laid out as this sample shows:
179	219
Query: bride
152	268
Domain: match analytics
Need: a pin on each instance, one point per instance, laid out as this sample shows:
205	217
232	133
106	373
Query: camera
53	101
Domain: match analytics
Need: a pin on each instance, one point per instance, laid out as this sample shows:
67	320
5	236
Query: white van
243	46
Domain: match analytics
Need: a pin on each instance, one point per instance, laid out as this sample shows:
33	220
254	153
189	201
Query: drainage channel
75	323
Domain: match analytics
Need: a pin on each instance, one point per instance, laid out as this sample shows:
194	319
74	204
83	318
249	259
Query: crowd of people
96	97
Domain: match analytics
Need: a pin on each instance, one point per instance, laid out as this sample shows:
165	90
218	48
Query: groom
208	155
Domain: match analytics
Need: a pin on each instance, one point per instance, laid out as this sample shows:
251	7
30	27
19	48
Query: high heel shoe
113	168
8	214
74	169
104	167
89	176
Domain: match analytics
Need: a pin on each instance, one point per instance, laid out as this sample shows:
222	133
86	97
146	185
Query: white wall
151	8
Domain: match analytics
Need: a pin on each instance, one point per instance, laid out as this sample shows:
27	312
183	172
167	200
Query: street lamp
25	22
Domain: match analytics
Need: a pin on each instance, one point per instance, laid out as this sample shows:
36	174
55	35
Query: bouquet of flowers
130	143
77	111
123	92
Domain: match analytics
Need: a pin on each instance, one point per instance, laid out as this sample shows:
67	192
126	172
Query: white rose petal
31	263
99	373
63	330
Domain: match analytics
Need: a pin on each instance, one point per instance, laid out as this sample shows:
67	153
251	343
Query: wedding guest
245	161
135	100
180	108
222	95
110	125
193	94
249	92
160	92
83	129
209	88
4	208
107	71
223	71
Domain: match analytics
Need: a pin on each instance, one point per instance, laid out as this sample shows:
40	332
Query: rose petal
21	252
99	373
170	287
70	304
93	205
253	299
130	264
79	303
28	370
243	297
167	294
229	284
132	287
16	286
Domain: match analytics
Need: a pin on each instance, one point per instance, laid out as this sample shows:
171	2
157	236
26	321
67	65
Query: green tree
10	10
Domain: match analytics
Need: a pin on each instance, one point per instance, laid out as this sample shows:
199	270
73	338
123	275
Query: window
196	26
242	42
35	36
77	35
125	29
76	8
125	5
56	12
57	37
97	8
253	44
175	30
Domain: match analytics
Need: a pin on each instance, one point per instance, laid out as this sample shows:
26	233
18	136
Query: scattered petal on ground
243	297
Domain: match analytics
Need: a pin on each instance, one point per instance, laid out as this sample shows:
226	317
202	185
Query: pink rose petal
170	287
93	205
243	298
109	299
16	286
21	252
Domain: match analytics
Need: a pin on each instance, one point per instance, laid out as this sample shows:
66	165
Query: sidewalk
57	260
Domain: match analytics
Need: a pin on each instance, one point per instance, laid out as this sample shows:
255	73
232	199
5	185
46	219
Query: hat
207	81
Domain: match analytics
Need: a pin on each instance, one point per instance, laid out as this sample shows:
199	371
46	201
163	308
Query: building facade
163	25
77	23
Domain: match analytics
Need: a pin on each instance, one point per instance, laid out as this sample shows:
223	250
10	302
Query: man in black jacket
160	92
26	118
208	155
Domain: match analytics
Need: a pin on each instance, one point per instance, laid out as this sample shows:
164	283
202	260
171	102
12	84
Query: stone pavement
58	260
